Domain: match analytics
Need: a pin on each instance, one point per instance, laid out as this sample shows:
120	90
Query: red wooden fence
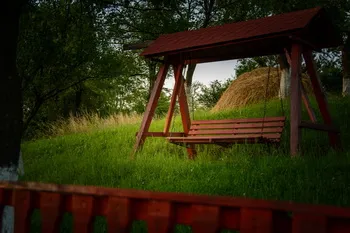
162	211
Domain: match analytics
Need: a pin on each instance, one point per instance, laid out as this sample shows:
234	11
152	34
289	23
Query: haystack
250	88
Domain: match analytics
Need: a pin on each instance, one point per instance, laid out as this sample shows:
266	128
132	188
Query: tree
68	63
211	94
10	98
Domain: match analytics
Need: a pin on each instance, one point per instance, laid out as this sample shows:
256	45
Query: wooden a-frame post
295	99
151	107
184	110
298	93
178	92
333	135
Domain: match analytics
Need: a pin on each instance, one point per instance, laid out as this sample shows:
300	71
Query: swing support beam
177	57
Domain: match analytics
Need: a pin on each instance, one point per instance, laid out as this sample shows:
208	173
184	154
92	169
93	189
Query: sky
207	72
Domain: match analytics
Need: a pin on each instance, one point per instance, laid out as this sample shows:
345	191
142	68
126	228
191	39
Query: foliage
68	65
210	94
249	64
328	65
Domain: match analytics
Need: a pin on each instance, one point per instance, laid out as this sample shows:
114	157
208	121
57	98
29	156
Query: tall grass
90	122
101	158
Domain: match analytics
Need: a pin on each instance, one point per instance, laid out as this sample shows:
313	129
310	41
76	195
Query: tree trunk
78	100
284	90
10	100
346	67
189	80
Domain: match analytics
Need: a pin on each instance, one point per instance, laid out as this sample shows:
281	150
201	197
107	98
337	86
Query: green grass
101	158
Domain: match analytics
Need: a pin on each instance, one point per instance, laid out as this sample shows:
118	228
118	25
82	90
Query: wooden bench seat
233	131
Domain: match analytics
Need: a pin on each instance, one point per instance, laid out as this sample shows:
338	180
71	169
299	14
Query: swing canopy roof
259	37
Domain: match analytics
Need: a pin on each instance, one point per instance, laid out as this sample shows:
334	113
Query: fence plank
205	219
256	221
308	223
82	209
23	204
160	217
119	215
51	212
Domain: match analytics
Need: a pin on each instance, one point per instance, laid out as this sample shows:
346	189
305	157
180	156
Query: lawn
101	158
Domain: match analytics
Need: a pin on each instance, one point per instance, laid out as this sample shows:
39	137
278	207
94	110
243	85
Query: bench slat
236	131
233	131
247	120
225	141
242	136
238	126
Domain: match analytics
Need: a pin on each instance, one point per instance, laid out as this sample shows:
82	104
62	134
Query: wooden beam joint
321	127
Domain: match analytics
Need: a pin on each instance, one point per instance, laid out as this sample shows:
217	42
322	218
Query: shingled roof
264	36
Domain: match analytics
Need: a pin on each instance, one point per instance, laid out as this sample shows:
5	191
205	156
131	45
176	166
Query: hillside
101	158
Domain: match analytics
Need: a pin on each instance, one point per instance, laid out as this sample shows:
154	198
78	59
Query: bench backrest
268	127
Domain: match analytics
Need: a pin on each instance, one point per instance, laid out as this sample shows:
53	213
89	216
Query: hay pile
250	88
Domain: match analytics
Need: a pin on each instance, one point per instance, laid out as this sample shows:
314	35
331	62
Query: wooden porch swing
296	34
226	132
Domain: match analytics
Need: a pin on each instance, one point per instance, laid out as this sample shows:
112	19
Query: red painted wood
282	222
151	107
256	221
82	209
230	218
338	225
245	120
237	125
160	217
162	134
289	60
304	95
162	210
321	127
235	131
306	223
221	142
119	216
224	142
178	82
206	132
22	203
320	97
307	104
205	219
241	136
241	32
51	211
295	100
185	115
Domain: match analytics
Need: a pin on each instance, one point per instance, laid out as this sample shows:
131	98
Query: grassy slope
101	158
